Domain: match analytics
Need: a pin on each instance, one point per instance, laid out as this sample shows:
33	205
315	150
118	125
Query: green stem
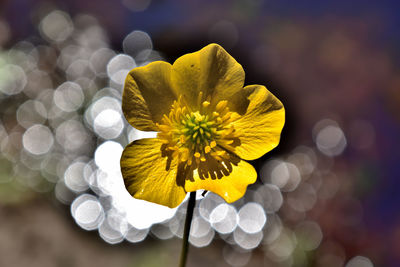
186	231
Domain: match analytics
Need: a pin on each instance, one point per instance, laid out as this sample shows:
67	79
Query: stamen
221	105
206	104
191	136
213	144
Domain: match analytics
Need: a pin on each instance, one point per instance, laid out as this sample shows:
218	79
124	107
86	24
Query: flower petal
260	127
148	175
211	71
148	95
231	187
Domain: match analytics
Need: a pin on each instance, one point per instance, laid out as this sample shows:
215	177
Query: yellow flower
207	125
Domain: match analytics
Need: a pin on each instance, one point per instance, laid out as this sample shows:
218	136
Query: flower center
200	139
198	128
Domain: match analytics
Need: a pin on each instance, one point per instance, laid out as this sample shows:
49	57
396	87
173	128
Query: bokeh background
327	196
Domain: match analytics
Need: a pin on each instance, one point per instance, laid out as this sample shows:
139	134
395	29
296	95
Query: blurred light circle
38	139
109	234
79	68
176	224
294	178
282	247
279	174
135	134
49	166
225	33
286	176
329	137
303	199
136	5
84	21
12	79
25	55
31	112
56	26
252	218
273	229
154	56
69	96
101	182
224	218
202	241
107	156
305	159
119	66
270	197
118	79
46	97
63	194
90	86
72	136
135	235
31	161
47	59
99	105
87	212
56	116
228	238
108	124
236	257
199	227
69	54
92	37
74	177
247	240
309	234
360	261
161	231
138	44
208	204
99	59
38	81
117	221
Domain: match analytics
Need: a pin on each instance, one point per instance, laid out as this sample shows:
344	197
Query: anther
221	105
213	144
206	104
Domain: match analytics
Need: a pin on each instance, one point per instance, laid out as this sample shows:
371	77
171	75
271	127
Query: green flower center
199	139
198	128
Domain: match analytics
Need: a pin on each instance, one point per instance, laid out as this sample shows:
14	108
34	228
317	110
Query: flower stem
186	231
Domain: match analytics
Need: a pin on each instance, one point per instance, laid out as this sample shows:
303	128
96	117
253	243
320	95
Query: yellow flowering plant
208	124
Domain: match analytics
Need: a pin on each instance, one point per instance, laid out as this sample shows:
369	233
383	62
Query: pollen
198	139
